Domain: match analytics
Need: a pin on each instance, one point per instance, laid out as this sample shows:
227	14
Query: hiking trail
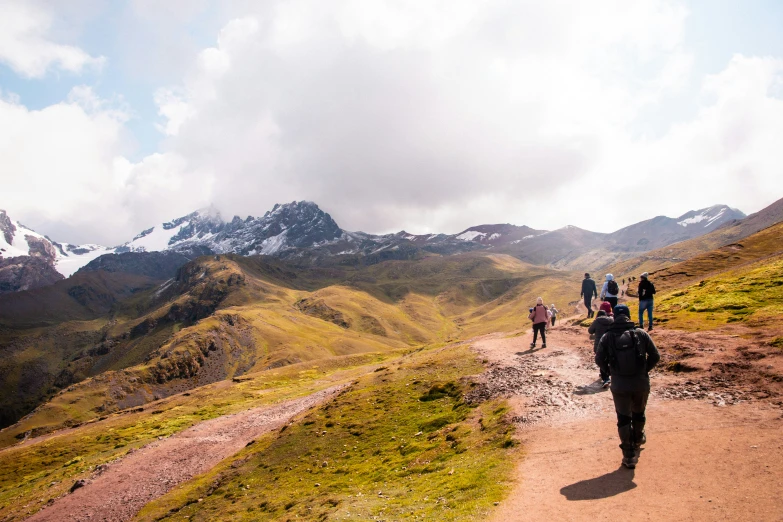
116	492
714	434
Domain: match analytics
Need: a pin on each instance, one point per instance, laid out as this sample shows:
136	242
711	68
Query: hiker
629	354
553	312
599	327
540	317
606	308
646	292
588	291
624	280
610	290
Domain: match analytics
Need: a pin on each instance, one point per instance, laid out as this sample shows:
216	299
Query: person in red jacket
540	317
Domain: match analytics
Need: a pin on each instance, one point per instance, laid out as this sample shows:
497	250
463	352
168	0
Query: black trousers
630	407
539	327
589	305
612	301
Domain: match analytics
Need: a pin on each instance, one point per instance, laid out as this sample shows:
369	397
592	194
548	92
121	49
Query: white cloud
425	116
395	114
26	46
63	172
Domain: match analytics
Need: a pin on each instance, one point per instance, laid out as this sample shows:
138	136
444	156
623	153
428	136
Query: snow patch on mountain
471	235
155	239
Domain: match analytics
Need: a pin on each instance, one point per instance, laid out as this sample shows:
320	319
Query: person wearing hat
628	353
588	291
646	292
610	290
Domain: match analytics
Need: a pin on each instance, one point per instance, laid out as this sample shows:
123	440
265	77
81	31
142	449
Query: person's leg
641	314
623	406
543	335
589	307
650	313
553	320
535	335
612	301
639	420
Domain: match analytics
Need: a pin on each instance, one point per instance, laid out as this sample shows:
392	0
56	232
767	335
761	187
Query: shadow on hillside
605	486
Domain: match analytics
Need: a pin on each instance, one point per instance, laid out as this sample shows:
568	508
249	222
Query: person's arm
652	289
600	356
653	356
591	330
603	290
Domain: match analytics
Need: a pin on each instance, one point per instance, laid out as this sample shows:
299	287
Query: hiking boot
629	463
649	328
532	345
543	346
606	383
642	439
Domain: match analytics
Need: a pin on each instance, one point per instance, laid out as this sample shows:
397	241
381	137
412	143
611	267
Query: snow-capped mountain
30	260
661	230
301	231
293	225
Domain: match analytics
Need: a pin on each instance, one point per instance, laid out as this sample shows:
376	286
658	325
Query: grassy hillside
226	316
399	444
31	474
751	295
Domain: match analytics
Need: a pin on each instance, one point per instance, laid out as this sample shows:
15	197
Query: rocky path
715	438
117	492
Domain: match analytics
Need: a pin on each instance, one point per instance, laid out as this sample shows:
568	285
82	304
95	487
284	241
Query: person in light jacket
553	313
610	290
540	317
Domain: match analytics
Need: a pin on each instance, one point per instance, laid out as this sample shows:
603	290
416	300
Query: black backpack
625	353
612	287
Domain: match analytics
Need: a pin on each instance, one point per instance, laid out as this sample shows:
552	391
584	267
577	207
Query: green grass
751	296
32	474
400	443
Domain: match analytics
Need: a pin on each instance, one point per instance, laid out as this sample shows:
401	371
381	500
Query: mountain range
304	234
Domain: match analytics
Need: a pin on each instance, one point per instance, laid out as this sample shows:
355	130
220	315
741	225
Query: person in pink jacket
540	316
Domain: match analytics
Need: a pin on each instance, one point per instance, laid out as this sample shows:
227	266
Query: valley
395	387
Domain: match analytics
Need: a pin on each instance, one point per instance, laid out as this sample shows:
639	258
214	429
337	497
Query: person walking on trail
588	291
553	313
599	327
646	292
540	317
610	290
629	354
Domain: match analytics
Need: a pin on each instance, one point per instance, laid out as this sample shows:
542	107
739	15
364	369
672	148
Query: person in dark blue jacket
588	292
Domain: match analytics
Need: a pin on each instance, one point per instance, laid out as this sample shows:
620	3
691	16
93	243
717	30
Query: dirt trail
714	434
118	491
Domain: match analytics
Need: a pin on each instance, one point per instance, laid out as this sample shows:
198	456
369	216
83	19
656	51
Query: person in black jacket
646	292
629	353
588	292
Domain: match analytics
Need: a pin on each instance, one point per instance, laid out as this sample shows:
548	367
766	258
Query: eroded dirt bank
714	451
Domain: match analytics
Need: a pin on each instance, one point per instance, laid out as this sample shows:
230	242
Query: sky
427	116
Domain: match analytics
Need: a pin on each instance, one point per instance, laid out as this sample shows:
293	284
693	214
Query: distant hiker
606	308
629	354
610	290
553	312
540	317
588	291
598	329
646	292
624	280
